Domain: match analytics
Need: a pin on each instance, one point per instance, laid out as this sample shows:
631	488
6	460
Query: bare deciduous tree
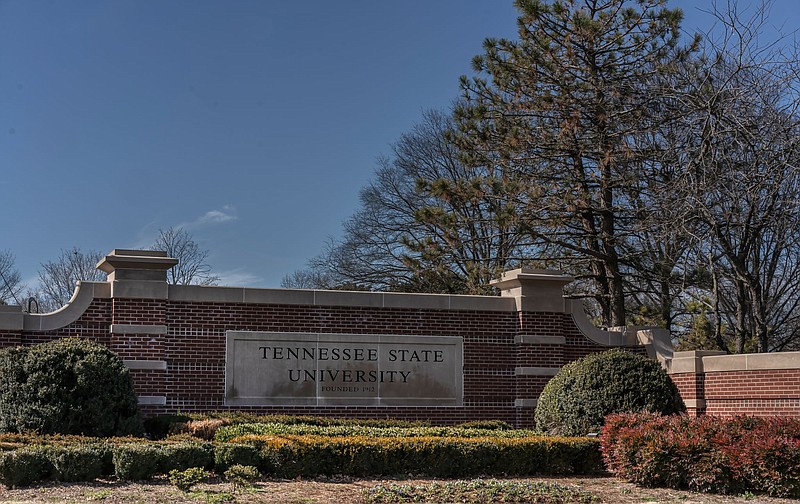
192	268
10	280
743	181
413	232
58	278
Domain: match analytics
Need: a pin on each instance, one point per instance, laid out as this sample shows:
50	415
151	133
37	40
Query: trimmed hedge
142	461
575	401
205	425
705	454
67	386
89	459
235	417
229	432
31	458
293	456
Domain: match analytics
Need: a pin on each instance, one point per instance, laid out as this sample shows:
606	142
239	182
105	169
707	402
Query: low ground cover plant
241	476
705	454
479	491
187	479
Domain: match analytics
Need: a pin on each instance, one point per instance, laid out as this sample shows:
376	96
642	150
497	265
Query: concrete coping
152	400
85	293
519	276
716	361
532	339
11	317
597	335
136	259
146	365
196	293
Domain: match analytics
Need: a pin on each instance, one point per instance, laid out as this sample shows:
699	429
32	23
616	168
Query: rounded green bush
66	386
577	399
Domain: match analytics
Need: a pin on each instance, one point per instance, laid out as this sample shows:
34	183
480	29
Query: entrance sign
268	368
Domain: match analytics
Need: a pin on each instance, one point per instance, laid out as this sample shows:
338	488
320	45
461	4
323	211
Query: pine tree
565	110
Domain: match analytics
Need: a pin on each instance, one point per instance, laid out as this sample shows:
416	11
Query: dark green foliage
144	460
577	399
24	466
67	386
79	463
160	426
182	456
227	455
306	456
59	462
135	462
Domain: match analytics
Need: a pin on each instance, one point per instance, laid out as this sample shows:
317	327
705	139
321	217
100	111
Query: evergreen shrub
306	456
136	462
227	455
182	456
576	400
83	462
25	466
67	386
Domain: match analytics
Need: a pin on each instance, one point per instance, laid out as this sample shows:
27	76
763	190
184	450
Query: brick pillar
139	294
540	339
686	371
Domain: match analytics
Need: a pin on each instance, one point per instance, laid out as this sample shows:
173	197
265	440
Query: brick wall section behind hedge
767	392
722	385
193	350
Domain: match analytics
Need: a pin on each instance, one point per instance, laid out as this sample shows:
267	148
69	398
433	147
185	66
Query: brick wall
173	338
712	383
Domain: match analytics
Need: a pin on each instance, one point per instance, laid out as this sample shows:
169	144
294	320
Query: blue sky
253	124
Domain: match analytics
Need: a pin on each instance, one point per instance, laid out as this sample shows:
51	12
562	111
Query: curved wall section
85	293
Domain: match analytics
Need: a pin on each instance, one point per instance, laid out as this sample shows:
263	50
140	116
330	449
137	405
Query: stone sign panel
267	369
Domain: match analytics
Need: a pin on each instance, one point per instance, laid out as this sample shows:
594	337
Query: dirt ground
332	491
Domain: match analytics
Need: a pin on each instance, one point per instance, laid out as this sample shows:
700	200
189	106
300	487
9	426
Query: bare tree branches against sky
251	124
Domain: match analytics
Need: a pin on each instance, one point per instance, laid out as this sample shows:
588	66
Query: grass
478	491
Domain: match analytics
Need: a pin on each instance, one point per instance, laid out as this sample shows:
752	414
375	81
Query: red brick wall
772	392
193	349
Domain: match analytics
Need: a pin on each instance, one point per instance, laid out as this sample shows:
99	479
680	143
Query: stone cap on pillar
535	290
137	273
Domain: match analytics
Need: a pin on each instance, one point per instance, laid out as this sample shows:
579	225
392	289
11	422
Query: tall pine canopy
567	108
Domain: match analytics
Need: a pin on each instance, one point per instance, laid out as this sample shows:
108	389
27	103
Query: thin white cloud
237	278
226	214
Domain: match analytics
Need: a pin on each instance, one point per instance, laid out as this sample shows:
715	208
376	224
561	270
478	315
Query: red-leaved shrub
706	454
